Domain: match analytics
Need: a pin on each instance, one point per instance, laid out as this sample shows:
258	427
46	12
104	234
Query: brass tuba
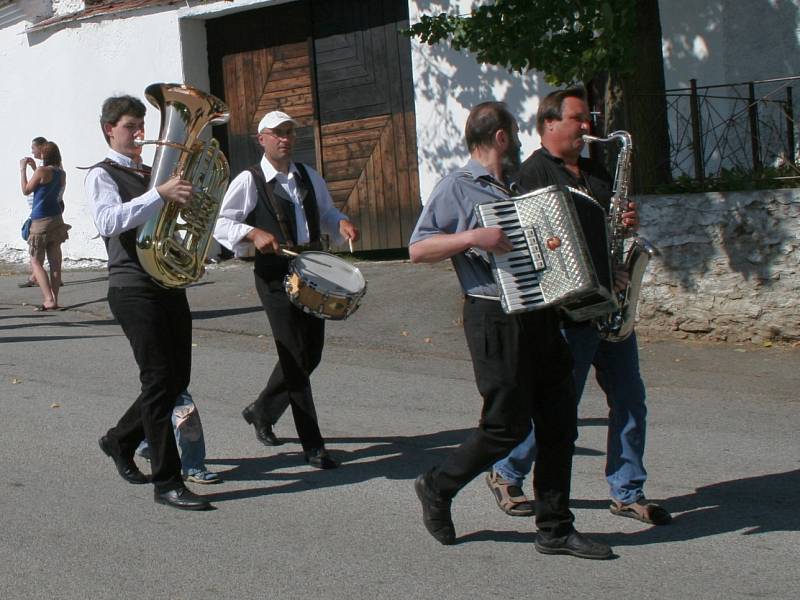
172	245
618	326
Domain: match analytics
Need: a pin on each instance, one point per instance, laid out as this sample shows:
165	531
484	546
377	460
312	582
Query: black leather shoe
435	512
264	432
320	459
183	499
574	544
125	466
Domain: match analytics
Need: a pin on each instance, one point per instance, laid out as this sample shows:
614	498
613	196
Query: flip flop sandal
641	510
43	308
509	497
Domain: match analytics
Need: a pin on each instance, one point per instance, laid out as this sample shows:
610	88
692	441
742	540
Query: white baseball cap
273	119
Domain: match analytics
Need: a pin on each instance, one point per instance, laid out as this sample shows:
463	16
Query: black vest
275	213
124	269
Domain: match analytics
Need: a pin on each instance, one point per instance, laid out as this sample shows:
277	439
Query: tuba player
156	320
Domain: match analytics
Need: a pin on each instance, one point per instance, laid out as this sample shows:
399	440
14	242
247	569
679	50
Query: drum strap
310	206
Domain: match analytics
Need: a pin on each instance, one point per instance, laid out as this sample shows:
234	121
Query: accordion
560	253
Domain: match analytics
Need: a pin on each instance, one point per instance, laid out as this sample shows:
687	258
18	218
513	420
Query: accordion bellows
551	263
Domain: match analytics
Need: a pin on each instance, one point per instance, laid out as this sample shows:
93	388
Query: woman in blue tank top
48	230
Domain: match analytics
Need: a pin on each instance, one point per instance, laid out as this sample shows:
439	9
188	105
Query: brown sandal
641	510
509	497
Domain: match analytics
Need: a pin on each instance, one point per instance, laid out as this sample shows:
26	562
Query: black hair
116	107
550	106
486	119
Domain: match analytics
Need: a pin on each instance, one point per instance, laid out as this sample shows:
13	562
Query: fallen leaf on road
404	333
15	381
427	340
55	405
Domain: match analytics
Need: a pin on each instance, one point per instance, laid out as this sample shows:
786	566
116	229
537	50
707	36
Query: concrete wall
729	267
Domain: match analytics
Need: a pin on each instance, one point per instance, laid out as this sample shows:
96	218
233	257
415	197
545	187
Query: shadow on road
395	457
760	504
224	312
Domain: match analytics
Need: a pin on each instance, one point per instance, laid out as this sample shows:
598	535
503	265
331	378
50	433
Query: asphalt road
394	391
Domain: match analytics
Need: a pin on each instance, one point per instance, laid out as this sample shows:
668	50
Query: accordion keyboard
517	271
550	263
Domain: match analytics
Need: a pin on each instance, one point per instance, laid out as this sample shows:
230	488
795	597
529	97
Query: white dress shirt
241	198
111	216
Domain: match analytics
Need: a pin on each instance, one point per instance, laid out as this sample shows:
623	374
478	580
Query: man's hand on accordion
491	239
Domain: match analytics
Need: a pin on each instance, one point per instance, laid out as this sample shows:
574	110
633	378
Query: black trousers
158	325
523	369
299	340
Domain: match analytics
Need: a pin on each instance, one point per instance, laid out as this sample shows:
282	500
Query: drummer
275	204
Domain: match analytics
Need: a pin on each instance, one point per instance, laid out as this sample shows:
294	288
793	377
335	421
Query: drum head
330	272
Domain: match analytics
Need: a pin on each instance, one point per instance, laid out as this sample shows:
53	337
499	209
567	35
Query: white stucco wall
447	84
68	73
729	41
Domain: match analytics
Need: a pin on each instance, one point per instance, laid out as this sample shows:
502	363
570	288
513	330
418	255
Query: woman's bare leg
54	258
48	301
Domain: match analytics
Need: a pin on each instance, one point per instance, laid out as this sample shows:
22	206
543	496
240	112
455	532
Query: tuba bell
173	244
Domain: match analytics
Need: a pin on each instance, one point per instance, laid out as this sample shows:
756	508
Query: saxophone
173	244
618	325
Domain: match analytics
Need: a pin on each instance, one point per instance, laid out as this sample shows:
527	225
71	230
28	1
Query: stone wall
728	265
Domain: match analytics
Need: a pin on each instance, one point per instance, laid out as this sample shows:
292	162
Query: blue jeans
188	435
617	370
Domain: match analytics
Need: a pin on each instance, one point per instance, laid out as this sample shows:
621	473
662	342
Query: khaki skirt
46	232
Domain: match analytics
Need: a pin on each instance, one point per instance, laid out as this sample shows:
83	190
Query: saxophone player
156	320
562	120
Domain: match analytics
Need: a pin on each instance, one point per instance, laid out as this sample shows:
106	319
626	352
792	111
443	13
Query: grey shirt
451	209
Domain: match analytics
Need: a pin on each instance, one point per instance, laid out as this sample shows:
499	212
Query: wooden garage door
341	68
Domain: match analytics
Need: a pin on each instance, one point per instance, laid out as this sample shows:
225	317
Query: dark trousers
299	339
158	326
523	370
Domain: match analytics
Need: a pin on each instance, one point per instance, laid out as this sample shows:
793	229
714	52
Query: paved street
394	391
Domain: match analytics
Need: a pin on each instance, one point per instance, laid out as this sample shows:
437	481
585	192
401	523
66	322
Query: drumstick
350	242
295	254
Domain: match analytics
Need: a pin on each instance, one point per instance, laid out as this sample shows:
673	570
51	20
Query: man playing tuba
156	320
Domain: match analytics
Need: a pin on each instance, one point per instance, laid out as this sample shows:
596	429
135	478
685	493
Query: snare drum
324	285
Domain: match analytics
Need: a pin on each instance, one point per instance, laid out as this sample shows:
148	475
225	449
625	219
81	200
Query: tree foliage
570	41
